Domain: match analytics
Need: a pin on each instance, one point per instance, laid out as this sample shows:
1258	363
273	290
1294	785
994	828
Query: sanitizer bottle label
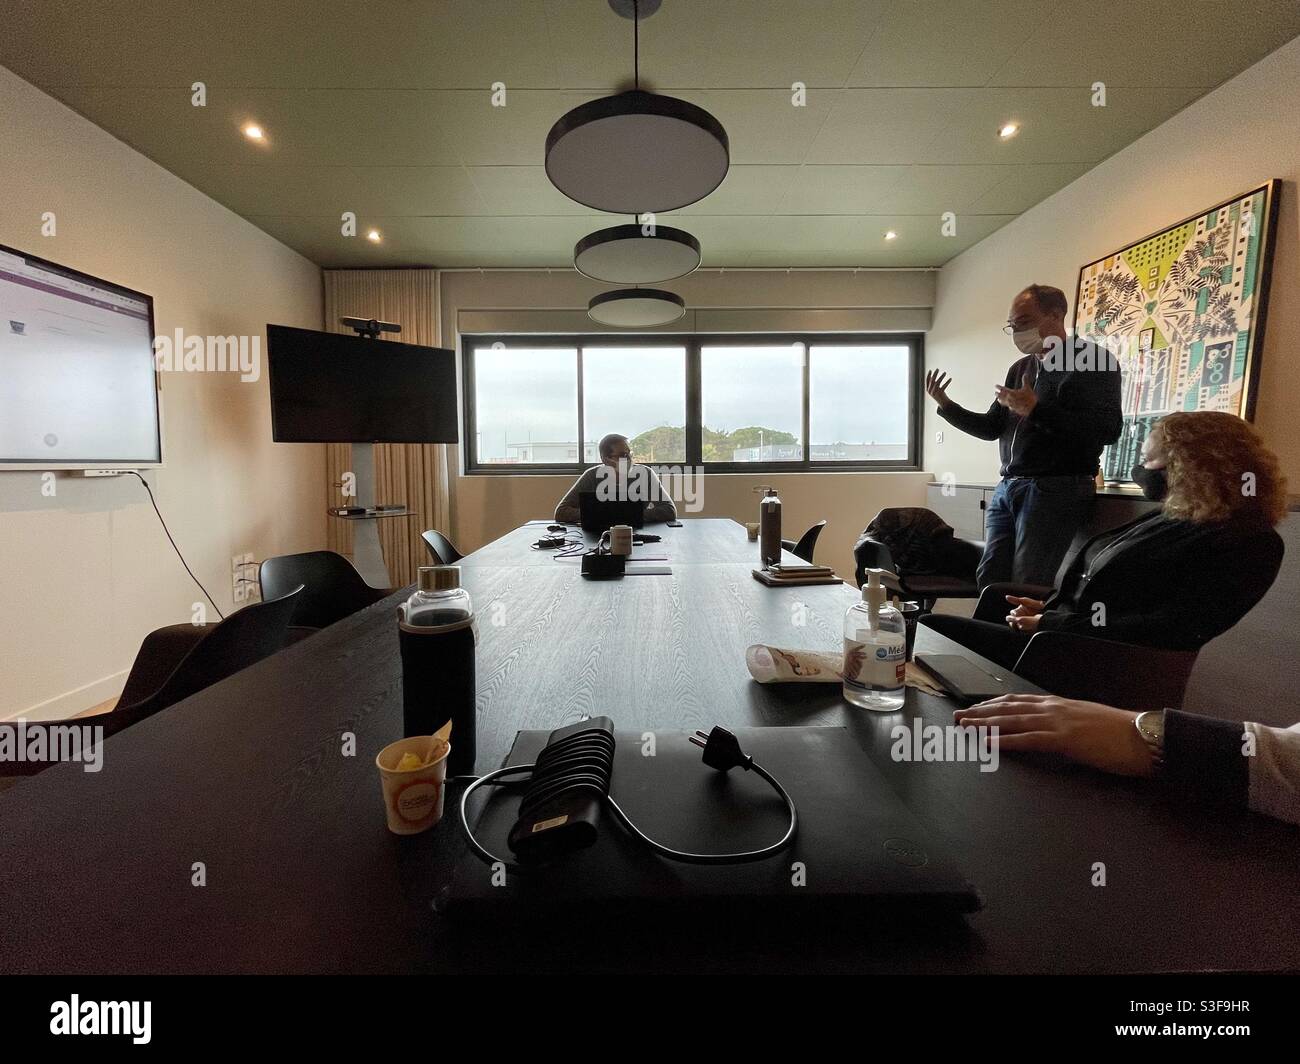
875	666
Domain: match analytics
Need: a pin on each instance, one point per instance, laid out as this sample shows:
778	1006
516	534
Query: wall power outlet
243	578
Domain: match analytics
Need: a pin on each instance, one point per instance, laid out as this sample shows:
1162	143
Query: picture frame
1184	311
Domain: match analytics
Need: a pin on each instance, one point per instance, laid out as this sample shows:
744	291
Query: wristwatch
1151	726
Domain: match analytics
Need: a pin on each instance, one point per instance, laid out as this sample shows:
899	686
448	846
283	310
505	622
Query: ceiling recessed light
254	132
891	235
374	236
1009	130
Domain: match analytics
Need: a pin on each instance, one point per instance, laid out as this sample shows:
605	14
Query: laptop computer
598	516
858	843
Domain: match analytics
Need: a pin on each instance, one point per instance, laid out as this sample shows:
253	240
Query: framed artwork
1183	310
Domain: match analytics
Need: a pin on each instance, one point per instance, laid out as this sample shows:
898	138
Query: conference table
237	831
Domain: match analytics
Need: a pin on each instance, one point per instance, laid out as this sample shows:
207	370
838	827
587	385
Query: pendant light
637	151
636	308
634	254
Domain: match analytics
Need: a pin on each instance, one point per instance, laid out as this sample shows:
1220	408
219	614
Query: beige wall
87	574
1228	142
485	507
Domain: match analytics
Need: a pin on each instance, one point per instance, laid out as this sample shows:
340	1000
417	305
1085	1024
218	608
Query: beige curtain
413	473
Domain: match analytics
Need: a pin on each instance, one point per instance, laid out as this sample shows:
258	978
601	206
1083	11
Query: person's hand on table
1088	732
1021	400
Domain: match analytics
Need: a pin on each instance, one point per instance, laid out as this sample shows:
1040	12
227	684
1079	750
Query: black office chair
334	589
181	660
443	550
807	543
1102	670
953	574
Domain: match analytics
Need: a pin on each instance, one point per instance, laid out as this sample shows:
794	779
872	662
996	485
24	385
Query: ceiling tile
1198	43
839	189
885	125
367	191
930	43
763	125
1021	187
1058	125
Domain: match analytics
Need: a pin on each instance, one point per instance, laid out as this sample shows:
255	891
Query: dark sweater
1166	582
1077	414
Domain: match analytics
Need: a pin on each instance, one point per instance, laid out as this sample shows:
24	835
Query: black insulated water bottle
436	633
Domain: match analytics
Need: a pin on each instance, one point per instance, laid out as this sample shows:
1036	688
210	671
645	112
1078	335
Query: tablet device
963	678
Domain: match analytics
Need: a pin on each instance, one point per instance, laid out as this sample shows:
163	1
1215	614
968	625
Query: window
858	402
752	405
728	403
524	399
638	392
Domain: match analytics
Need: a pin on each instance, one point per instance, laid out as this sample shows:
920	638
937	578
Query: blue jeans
1029	525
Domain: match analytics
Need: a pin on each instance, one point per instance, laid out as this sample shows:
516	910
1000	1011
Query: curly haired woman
1176	577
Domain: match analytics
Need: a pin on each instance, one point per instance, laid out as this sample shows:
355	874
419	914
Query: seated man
619	474
1174	578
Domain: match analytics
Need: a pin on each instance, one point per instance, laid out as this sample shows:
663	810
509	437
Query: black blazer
1169	583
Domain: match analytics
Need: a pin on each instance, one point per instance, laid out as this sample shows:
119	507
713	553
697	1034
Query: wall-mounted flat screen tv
78	383
334	388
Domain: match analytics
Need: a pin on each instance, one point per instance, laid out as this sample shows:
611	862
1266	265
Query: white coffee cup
413	796
620	540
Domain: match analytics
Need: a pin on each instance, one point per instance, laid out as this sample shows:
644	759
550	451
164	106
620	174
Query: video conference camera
370	327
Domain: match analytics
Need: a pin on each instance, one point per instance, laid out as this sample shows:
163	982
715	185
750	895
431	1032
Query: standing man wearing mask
1059	406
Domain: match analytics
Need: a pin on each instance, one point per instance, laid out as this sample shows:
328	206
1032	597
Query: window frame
693	344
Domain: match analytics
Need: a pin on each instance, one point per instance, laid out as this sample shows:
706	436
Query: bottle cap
439	577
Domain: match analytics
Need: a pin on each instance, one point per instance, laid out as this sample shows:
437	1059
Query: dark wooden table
249	778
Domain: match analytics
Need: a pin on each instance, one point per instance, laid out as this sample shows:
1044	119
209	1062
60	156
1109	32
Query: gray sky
859	395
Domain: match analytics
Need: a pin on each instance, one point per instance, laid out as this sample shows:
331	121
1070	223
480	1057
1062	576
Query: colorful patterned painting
1183	310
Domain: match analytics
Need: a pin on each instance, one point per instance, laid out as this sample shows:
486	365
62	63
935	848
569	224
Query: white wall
485	507
85	575
1228	142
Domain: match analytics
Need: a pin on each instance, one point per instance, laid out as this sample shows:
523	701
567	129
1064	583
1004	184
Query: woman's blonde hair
1218	467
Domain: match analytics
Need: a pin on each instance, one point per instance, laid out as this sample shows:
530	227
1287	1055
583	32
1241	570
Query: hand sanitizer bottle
875	650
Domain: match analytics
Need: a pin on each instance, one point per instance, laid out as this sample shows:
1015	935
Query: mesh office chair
333	588
807	543
181	660
441	548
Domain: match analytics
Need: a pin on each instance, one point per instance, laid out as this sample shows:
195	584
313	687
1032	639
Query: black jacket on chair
1165	582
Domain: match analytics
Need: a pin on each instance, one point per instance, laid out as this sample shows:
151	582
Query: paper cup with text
413	796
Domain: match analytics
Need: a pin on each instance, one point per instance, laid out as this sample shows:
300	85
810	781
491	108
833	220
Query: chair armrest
1103	670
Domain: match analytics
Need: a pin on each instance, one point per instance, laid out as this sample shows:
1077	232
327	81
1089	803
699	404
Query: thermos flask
436	633
769	528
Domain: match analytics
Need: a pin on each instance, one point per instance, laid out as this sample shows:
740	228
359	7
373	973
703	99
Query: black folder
857	848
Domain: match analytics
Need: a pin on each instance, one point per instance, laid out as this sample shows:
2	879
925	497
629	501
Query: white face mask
1027	341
